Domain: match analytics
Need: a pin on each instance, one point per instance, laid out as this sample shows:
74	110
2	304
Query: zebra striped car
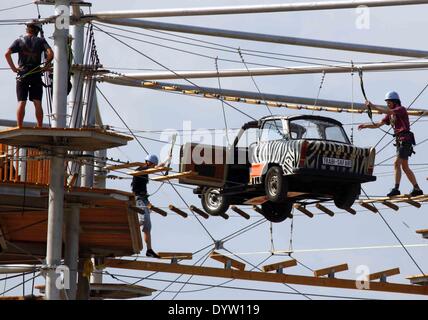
276	162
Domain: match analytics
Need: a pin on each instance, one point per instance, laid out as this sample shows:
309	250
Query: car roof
302	116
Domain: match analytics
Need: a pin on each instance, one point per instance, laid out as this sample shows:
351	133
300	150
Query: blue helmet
152	159
392	95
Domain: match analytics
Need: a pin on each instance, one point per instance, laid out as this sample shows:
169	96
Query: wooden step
331	271
382	275
175	176
228	261
279	266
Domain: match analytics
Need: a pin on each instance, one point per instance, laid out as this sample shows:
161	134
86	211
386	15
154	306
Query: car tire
276	186
213	202
346	199
277	212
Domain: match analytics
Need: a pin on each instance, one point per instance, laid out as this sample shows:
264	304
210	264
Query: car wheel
277	212
346	198
276	186
214	202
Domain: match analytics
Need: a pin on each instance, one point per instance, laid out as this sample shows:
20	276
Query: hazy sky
150	110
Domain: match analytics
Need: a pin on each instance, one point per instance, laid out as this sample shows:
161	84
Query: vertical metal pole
75	101
56	186
55	220
89	121
100	156
71	256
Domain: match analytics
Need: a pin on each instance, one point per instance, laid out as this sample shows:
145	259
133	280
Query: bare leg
39	112
397	167
148	239
21	113
409	173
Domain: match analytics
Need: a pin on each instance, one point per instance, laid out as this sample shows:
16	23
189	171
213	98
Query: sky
146	110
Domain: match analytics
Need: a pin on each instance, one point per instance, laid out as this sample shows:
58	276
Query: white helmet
152	159
392	95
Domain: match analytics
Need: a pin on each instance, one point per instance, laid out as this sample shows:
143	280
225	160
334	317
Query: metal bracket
228	265
219	244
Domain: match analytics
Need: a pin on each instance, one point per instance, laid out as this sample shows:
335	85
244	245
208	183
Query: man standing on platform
29	80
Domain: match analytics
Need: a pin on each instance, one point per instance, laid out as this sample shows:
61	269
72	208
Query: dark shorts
29	87
404	150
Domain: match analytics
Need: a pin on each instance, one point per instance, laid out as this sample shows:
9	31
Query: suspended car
276	162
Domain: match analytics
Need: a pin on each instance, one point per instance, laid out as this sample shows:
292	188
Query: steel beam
248	95
265	8
260	37
162	75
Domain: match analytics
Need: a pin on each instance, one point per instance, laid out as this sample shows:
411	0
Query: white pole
145	24
89	121
265	8
75	101
71	256
56	185
162	75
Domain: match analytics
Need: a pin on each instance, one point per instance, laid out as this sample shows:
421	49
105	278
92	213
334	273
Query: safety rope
222	102
369	109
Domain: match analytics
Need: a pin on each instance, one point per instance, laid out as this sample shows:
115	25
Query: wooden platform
423	232
84	139
421	280
108	225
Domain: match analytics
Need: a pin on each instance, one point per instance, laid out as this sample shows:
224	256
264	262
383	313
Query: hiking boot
151	253
394	192
416	192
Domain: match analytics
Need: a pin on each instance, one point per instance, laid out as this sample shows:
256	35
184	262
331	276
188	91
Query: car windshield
317	129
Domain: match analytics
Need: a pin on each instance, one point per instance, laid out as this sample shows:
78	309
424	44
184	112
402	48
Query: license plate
337	162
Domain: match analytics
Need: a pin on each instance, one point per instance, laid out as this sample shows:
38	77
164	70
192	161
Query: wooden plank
240	212
295	194
383	274
413	203
200	212
157	210
178	211
224	216
331	270
148	171
280	265
390	205
124	165
3	243
421	279
324	209
175	176
256	201
303	210
262	276
369	207
423	232
351	211
176	255
238	265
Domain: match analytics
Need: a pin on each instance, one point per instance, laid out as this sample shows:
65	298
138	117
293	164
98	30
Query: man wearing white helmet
139	188
398	118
